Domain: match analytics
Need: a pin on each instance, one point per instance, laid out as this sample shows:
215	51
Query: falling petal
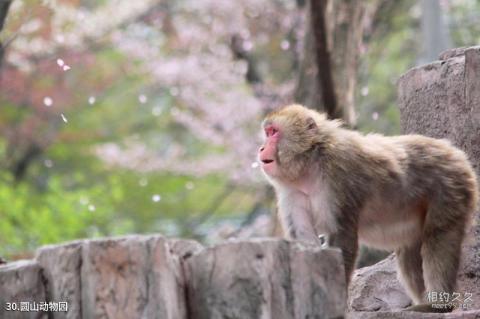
91	100
142	98
66	67
156	198
60	62
254	164
375	116
91	208
47	101
285	45
364	91
247	45
64	118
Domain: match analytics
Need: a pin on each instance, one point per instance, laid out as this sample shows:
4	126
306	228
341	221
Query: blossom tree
43	43
193	62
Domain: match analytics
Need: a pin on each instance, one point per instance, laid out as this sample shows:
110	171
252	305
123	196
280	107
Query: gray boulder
265	278
21	285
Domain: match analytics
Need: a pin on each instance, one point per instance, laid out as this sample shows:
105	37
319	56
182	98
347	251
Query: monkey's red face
291	138
267	153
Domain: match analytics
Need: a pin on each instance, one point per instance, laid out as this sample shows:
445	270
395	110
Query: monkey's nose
261	149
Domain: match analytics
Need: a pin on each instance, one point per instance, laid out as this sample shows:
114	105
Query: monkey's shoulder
417	146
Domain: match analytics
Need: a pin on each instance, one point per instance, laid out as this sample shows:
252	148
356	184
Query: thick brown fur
411	194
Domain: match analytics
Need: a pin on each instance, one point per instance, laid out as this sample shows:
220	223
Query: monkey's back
421	177
439	167
442	171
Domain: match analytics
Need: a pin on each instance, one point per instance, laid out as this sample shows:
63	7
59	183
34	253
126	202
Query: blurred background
143	116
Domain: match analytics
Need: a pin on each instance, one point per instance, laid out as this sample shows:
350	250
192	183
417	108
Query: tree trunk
333	43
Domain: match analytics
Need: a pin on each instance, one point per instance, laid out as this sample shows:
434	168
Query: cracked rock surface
265	279
155	277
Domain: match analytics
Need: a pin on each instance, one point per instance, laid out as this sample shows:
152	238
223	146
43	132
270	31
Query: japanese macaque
411	194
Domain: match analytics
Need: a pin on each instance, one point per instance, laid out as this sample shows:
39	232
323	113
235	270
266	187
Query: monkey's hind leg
410	274
441	251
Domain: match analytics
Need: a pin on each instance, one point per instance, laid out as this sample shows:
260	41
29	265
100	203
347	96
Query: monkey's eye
271	131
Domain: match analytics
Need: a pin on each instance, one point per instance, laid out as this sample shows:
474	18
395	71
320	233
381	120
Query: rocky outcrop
376	288
61	269
21	282
155	277
441	100
266	279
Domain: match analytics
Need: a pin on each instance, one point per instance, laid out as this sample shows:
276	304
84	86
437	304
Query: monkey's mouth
267	161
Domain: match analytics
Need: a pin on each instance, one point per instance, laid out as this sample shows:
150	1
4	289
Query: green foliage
31	218
102	202
393	49
464	26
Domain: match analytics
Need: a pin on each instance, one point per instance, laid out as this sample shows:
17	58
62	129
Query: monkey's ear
311	124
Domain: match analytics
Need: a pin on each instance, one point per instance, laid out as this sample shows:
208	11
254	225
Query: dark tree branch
4	6
237	46
323	58
301	3
19	168
334	40
215	204
264	196
192	225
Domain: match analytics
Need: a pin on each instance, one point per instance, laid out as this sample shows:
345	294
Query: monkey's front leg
346	239
296	219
